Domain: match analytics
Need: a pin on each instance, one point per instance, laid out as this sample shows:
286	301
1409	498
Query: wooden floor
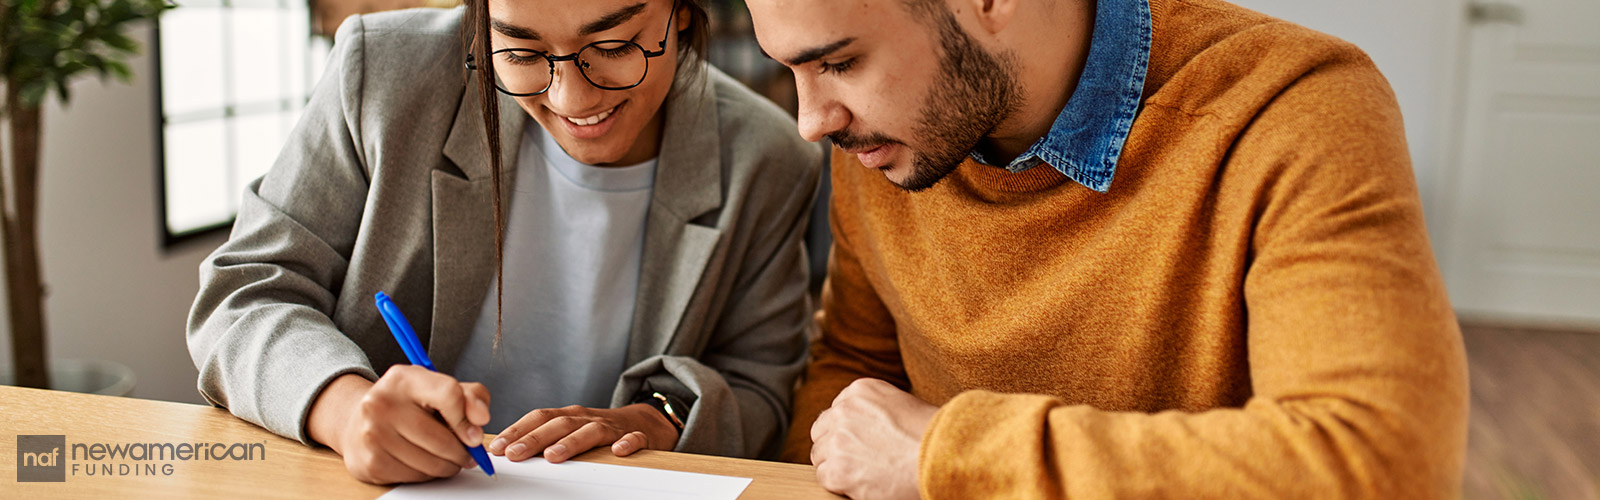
1535	424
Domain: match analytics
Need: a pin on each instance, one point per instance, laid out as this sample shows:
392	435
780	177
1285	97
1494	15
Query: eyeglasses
607	64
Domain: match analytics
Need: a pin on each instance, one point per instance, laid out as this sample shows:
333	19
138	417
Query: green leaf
120	70
120	42
45	43
33	93
62	92
72	67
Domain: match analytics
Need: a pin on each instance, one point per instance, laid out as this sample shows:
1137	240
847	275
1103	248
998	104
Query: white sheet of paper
537	479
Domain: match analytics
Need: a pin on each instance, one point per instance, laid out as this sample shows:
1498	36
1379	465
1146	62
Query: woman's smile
592	126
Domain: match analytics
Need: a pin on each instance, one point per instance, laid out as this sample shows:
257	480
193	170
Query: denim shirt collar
1087	137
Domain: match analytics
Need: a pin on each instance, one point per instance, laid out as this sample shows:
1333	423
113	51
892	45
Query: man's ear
993	15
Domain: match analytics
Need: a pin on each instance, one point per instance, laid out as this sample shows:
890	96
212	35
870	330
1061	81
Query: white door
1523	236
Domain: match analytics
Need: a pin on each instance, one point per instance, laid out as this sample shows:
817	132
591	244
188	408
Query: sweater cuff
970	449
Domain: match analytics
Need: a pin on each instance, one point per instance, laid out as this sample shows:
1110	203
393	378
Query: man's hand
408	427
865	446
563	433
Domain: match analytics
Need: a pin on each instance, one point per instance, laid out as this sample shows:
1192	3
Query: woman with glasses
575	213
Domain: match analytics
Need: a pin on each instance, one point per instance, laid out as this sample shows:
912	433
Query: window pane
196	181
191	60
235	76
258	55
256	139
320	49
291	117
297	41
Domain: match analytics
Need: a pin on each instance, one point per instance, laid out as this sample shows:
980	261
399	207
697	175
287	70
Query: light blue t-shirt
573	241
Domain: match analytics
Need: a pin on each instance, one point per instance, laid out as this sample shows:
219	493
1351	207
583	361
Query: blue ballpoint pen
413	348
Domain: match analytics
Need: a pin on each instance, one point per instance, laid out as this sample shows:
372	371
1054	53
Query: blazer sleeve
742	381
260	331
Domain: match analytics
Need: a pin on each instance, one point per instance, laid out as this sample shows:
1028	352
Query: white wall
1417	45
113	292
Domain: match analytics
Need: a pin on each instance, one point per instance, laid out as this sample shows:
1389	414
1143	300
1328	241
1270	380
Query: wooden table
288	470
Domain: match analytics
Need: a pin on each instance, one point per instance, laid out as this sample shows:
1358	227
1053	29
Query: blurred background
1501	98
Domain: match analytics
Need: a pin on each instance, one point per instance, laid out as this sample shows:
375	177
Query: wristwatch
662	403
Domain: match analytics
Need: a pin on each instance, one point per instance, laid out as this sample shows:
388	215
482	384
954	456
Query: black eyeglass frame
551	60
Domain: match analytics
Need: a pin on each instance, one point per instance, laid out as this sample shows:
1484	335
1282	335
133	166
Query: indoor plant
43	45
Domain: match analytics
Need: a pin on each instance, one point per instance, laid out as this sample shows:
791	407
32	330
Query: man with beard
1126	248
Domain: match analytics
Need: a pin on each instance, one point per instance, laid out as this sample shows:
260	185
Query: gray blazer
384	185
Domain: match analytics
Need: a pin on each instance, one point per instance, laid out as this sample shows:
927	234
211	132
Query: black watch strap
668	408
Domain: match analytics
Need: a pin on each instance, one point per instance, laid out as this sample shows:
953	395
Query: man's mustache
859	142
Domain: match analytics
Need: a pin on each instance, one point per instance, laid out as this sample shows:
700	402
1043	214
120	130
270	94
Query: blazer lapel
688	185
463	223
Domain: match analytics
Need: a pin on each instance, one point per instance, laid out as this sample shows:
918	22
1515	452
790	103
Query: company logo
41	459
45	459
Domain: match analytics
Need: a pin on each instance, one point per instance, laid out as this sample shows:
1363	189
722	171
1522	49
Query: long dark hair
475	36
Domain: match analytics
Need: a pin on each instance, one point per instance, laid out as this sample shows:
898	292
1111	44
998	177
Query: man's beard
975	91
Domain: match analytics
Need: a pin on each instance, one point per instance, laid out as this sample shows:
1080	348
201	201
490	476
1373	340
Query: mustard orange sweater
1252	311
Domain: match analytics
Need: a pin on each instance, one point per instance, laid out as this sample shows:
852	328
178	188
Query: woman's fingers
397	432
443	394
515	432
560	434
581	440
422	430
380	467
477	403
420	460
535	442
630	442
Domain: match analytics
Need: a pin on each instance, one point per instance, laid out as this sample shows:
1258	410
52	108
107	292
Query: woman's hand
408	427
563	433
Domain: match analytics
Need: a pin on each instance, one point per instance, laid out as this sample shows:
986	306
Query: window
234	75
